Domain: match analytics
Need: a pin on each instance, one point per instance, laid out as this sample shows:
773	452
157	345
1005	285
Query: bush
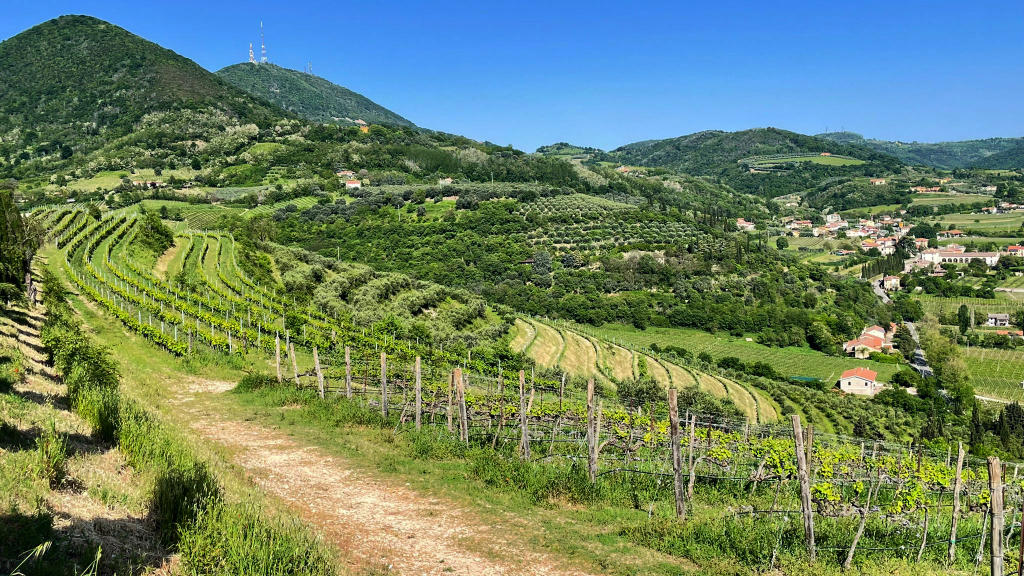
254	382
51	457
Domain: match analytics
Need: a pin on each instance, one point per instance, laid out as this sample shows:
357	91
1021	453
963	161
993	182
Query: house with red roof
860	381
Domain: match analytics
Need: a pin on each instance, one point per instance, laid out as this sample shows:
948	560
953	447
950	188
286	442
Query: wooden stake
348	374
319	373
463	415
524	442
295	365
957	488
419	395
805	486
677	452
384	385
995	484
451	412
591	441
277	356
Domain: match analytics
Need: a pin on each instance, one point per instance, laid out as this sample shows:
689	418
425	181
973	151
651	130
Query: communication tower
263	46
252	57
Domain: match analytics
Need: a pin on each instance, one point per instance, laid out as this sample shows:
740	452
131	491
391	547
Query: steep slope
1001	153
311	97
75	82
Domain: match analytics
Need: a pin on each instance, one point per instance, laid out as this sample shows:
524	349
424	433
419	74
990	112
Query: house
998	320
364	129
890	283
859	381
951	234
877	181
875	330
623	169
351	184
826	154
1011	333
444	181
864	346
920	243
345	173
1015	250
745	226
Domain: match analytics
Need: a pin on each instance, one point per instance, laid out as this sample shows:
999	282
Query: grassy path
620	361
742	397
547	347
680	377
578	355
712	385
657	371
524	335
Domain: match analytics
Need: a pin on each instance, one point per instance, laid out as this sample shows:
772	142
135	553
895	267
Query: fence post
591	465
348	374
995	485
419	395
460	394
677	451
1020	554
295	365
319	373
957	487
524	424
805	486
451	388
384	385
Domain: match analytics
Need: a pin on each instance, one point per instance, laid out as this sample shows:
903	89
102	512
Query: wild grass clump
13	366
254	382
239	539
51	456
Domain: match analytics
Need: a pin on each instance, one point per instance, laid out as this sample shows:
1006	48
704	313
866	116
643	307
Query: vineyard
996	373
807	493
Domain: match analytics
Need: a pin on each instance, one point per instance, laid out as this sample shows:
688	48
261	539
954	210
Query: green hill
737	159
996	153
74	83
309	96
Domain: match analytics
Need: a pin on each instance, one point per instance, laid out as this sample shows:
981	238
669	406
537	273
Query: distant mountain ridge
993	153
308	96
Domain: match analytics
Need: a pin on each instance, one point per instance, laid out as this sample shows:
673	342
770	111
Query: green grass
940	199
111	179
816	159
996	373
1012	220
788	361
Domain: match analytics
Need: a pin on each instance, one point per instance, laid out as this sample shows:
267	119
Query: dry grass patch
547	346
524	334
579	357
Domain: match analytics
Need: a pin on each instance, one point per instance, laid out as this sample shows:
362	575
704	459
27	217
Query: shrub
51	456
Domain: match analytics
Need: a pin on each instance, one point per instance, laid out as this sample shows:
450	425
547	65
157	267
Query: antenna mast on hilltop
263	46
252	57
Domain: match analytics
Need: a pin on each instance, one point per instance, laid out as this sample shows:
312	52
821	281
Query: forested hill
995	153
737	159
708	153
76	82
311	97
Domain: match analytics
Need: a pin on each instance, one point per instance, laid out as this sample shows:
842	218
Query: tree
904	341
1017	317
781	243
963	317
820	338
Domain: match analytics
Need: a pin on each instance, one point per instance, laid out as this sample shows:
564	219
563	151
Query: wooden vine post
1020	553
805	486
524	423
295	365
384	385
957	487
319	373
419	395
460	394
995	485
677	452
348	373
451	413
591	440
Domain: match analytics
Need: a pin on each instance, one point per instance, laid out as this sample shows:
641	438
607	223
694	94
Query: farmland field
939	199
996	373
788	361
982	221
816	159
1004	303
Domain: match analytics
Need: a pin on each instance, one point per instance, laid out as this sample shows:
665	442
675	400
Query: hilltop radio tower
263	46
252	57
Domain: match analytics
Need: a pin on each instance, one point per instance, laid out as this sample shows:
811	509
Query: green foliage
51	456
988	153
311	97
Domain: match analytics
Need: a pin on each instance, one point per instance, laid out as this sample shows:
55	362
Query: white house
859	381
890	283
998	320
350	184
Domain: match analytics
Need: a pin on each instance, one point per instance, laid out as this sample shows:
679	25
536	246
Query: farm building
998	320
859	381
350	184
890	283
878	181
743	225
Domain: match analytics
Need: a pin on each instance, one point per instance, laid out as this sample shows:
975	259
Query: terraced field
522	335
579	356
547	346
657	371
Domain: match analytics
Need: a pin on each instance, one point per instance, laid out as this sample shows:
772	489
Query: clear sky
606	73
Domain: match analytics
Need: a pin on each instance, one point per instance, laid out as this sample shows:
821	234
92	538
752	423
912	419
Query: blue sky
608	73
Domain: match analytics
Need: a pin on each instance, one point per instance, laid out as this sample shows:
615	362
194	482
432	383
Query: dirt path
386	525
